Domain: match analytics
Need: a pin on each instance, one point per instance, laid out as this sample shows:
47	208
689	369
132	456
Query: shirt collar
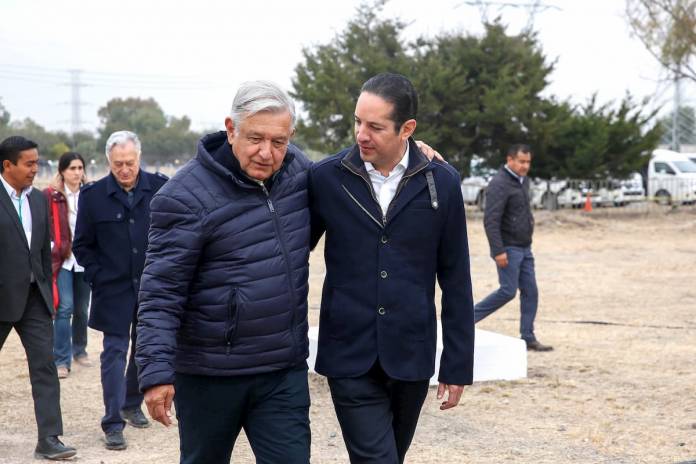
11	190
514	174
402	166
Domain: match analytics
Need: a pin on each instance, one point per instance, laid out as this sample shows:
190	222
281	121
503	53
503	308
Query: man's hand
454	392
429	151
501	260
159	403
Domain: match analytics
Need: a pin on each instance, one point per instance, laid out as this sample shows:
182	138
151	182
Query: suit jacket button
384	239
383	274
381	311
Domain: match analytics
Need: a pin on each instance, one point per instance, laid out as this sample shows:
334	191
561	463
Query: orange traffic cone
588	204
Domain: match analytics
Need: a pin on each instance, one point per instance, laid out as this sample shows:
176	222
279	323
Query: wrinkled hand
454	393
429	151
159	403
501	260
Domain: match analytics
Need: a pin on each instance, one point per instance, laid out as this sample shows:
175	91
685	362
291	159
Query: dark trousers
272	408
519	273
378	414
120	392
35	330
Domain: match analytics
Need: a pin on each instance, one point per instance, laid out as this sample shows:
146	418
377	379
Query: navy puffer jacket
224	290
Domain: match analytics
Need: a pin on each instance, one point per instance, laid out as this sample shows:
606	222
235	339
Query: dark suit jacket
110	243
20	259
378	299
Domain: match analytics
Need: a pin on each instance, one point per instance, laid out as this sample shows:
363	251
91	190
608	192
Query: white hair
256	96
121	138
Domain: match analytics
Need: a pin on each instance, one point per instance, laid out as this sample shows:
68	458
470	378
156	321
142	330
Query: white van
671	178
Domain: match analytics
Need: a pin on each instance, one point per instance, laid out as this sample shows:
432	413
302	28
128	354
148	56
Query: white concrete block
496	356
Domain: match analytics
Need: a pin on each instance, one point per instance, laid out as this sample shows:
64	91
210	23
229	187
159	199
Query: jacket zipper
286	256
230	304
402	183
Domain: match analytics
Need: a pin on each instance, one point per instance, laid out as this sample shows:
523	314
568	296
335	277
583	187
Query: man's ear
408	128
229	127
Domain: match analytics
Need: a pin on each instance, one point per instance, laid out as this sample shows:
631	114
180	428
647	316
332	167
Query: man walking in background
26	301
509	227
113	220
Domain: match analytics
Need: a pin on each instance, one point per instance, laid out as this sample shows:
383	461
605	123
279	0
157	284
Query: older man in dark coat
110	242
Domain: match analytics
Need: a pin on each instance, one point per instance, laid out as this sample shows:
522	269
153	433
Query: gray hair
256	96
121	138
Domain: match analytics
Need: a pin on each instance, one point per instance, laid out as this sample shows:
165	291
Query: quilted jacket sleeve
175	242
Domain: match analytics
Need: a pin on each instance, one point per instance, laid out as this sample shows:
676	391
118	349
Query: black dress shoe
52	448
135	418
534	345
115	441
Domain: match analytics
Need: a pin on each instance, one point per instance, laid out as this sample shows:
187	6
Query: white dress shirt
70	263
21	204
385	187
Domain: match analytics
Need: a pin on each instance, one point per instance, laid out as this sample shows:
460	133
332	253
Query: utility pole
675	112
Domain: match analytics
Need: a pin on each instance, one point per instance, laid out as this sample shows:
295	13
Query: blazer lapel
413	186
38	218
358	186
12	213
412	183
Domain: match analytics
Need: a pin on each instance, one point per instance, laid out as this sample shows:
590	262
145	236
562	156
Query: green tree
328	80
479	95
4	116
597	141
164	139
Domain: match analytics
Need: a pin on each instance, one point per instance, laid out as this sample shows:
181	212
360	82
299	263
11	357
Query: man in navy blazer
394	222
113	220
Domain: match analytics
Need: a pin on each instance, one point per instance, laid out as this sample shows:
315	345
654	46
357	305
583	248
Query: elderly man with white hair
222	322
110	243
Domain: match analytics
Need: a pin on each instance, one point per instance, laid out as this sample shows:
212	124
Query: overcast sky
191	56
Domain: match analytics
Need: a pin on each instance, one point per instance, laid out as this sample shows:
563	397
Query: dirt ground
618	302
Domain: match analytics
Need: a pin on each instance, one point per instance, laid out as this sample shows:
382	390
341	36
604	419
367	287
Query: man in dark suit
110	242
25	293
394	222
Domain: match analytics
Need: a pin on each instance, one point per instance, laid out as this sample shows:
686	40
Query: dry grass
621	393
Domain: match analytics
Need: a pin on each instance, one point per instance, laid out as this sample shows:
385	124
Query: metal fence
614	196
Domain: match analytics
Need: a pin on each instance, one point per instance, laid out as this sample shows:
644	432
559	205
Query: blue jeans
70	340
272	408
519	273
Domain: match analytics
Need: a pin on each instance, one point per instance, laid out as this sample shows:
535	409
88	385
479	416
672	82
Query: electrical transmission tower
75	102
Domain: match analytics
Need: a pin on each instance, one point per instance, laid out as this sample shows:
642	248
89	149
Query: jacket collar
211	143
142	184
416	160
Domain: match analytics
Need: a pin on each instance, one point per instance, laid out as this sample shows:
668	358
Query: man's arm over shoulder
85	241
453	274
496	200
175	242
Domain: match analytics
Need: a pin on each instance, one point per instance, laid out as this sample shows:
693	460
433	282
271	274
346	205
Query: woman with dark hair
71	293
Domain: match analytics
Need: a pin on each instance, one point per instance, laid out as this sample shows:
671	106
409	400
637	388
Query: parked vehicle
671	178
622	192
474	187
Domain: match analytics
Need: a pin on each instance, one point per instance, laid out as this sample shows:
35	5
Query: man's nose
361	134
265	149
